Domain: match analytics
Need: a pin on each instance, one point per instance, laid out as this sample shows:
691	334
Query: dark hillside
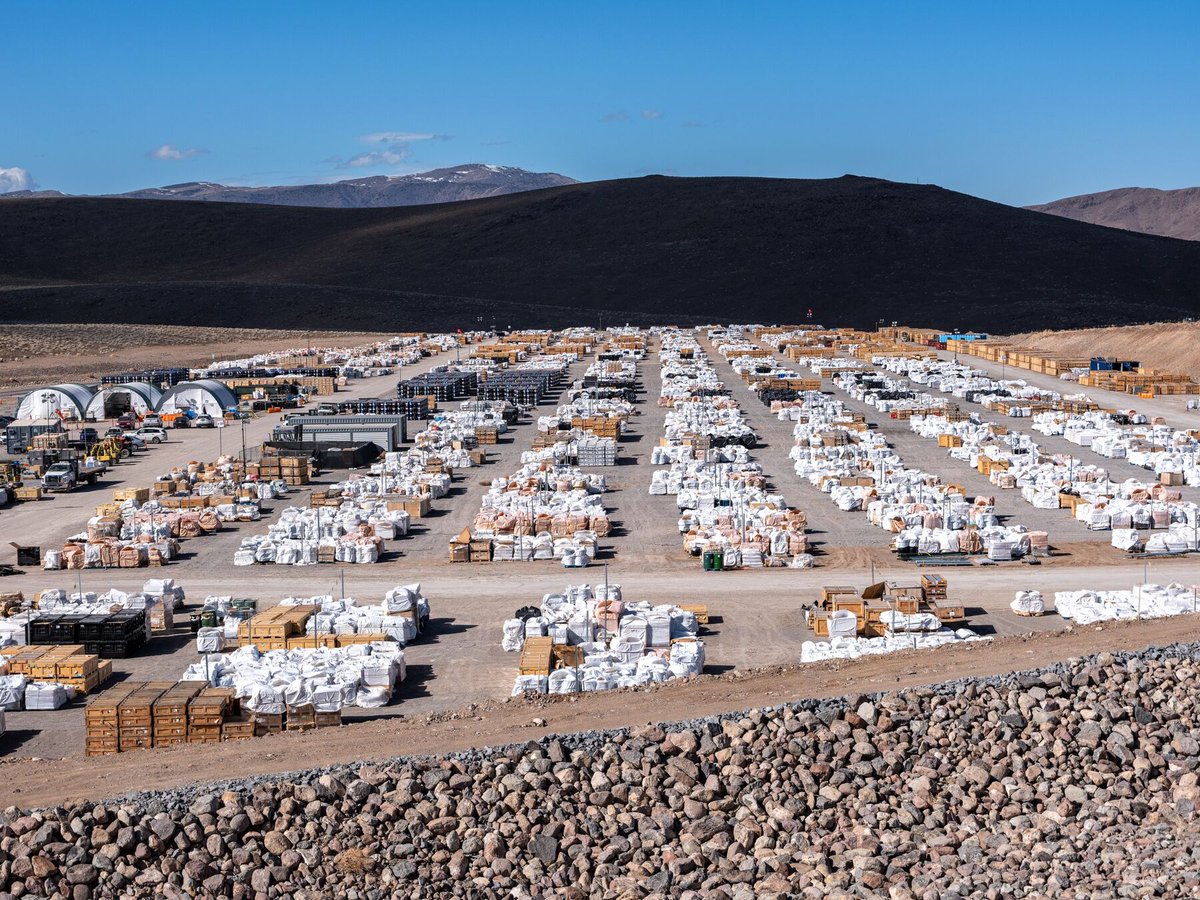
853	250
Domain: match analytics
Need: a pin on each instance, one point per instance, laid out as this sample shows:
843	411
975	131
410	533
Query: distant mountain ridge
1146	210
472	181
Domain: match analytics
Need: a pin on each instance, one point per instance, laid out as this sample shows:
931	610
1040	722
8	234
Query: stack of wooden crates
295	470
62	663
139	715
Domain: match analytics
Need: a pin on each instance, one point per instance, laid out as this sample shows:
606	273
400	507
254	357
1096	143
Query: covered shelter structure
62	401
115	400
204	397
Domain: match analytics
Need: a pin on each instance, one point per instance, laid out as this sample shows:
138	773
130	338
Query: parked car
152	435
115	433
127	420
152	420
88	435
181	421
203	422
134	439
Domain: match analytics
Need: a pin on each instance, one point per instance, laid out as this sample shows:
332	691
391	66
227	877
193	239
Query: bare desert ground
1173	346
40	354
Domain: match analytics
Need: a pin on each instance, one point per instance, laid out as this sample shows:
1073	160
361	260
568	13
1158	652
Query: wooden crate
948	612
237	728
536	656
267	723
699	610
828	593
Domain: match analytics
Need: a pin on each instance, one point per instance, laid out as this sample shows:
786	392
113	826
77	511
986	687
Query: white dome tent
204	397
116	399
68	401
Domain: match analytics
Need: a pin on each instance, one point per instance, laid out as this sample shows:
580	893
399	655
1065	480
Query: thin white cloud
615	117
652	114
15	179
400	137
392	156
396	149
172	152
693	123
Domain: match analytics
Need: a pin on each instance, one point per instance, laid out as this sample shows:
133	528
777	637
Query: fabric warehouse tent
69	400
114	400
205	397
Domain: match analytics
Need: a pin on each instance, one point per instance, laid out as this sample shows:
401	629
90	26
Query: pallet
537	656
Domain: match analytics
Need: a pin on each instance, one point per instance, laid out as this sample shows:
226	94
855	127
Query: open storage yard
616	509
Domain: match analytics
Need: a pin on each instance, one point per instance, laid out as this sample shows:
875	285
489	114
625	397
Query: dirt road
32	783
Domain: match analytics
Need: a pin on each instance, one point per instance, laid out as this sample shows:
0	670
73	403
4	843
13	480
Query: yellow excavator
109	450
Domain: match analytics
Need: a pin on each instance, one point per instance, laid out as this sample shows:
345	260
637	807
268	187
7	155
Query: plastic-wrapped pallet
658	622
634	628
563	681
530	684
12	691
843	623
535	627
210	640
897	622
46	695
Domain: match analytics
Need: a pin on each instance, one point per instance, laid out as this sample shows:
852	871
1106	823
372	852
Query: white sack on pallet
687	658
563	681
210	640
1126	539
1030	603
908	622
526	684
12	691
843	623
45	695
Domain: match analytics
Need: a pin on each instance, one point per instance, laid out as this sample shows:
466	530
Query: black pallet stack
411	408
112	636
272	371
443	386
157	377
524	387
770	395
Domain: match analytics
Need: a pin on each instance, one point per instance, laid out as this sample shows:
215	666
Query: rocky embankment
1079	780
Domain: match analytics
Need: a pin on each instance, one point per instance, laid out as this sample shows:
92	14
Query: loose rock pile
1076	780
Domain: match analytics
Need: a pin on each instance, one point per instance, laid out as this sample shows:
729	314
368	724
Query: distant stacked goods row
142	527
1011	459
585	430
379	358
591	639
837	451
544	510
55	616
1143	382
411	480
303	536
1172	454
728	518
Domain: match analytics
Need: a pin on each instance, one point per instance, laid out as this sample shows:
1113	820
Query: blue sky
1018	102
